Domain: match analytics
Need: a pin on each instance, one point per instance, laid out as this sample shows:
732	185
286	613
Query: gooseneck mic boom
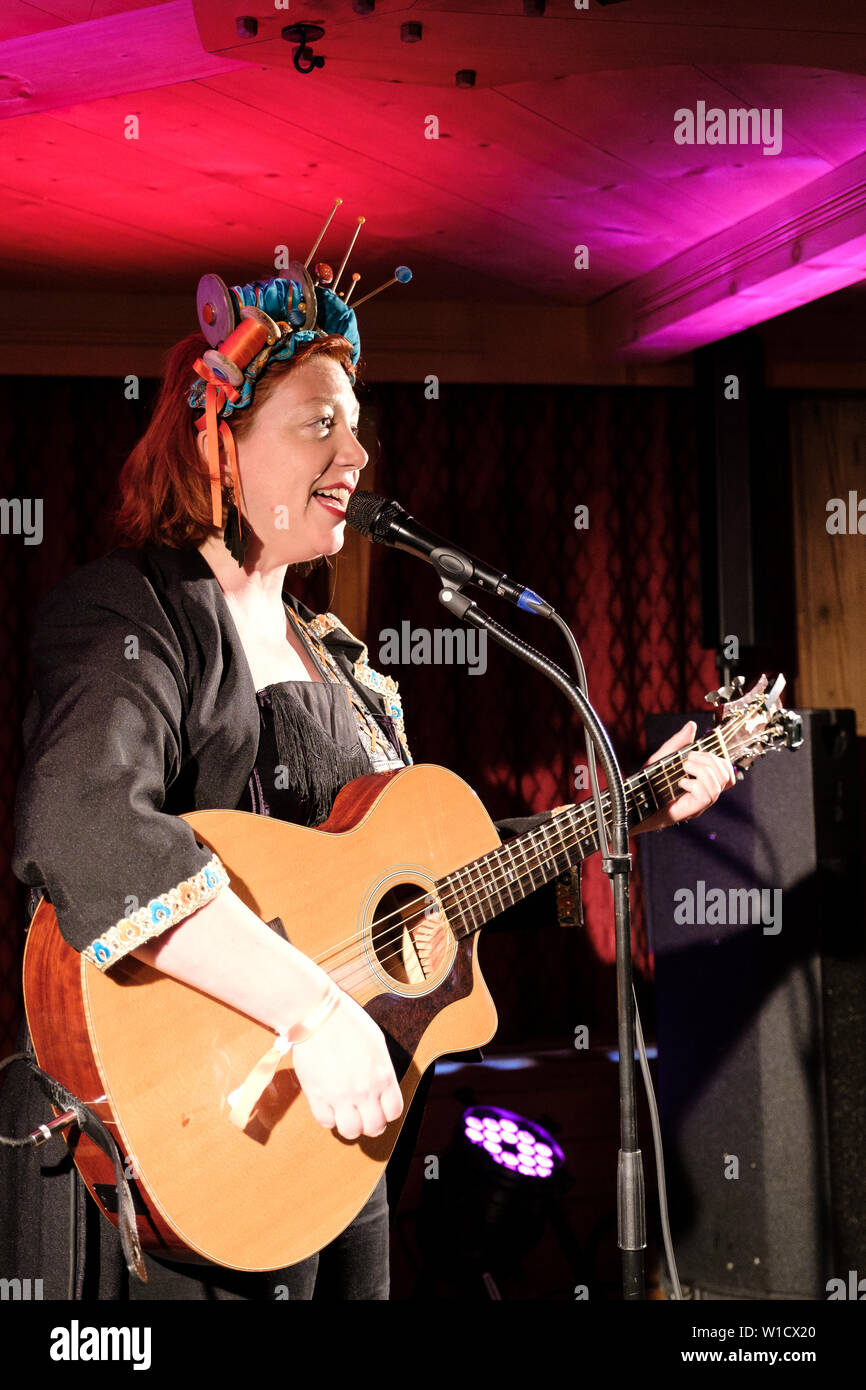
388	523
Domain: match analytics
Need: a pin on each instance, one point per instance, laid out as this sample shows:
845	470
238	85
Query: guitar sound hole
411	936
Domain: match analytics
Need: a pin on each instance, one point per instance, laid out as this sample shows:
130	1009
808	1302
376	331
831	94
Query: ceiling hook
302	35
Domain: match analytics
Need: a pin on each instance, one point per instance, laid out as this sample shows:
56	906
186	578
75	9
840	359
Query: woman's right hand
346	1074
343	1068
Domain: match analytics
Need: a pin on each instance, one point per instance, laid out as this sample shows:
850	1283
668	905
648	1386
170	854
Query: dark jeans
354	1266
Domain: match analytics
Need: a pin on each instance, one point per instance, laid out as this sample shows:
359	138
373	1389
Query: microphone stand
631	1219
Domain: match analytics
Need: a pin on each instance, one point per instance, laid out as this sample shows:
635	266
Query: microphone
388	523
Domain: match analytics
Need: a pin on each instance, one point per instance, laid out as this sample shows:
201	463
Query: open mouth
334	500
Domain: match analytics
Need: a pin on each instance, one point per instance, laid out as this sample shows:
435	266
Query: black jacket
144	708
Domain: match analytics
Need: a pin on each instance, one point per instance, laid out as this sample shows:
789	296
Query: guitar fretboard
481	890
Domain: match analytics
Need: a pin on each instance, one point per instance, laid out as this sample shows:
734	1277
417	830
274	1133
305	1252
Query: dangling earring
237	533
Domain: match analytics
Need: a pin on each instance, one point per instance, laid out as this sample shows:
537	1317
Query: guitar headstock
752	722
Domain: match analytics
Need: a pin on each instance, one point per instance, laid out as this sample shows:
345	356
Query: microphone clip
450	597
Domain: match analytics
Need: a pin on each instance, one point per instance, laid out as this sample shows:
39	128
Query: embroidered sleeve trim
160	914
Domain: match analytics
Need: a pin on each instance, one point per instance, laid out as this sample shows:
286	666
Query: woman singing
178	673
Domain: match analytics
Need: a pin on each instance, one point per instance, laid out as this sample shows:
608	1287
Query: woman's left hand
706	777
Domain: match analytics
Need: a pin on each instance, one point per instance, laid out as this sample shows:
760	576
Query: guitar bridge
424	946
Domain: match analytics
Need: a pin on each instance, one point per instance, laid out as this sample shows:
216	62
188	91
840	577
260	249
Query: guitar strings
658	769
658	775
661	776
657	772
549	853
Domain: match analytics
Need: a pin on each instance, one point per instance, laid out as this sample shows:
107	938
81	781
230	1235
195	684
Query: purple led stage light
513	1142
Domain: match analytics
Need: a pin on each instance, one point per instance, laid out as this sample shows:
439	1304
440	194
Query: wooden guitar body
167	1057
159	1061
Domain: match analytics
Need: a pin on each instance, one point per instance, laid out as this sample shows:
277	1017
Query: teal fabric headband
280	299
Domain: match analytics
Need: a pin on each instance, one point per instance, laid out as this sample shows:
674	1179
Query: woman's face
301	441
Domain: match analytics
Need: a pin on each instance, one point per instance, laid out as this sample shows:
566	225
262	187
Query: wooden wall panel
828	460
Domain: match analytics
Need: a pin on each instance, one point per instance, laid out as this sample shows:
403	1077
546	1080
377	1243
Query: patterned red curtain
501	470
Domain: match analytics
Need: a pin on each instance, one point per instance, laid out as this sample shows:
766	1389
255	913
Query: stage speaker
755	918
747	566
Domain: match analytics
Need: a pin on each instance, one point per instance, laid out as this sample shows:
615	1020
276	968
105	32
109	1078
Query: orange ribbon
208	422
207	373
213	455
229	442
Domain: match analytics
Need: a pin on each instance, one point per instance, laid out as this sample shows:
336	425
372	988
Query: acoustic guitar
388	897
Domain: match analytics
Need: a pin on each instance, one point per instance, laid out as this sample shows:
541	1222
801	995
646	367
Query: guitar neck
479	891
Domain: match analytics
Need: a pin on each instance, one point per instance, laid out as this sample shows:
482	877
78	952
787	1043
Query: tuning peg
793	726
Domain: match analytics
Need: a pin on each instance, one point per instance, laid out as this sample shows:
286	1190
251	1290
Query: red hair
164	485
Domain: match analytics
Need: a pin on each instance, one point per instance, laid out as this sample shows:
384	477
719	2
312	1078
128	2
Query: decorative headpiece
250	326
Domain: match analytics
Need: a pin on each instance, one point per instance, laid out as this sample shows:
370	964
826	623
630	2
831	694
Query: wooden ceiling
565	140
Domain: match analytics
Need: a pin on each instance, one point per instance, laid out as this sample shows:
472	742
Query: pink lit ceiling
566	139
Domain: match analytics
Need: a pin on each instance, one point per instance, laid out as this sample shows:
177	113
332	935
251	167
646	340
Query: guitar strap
91	1125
